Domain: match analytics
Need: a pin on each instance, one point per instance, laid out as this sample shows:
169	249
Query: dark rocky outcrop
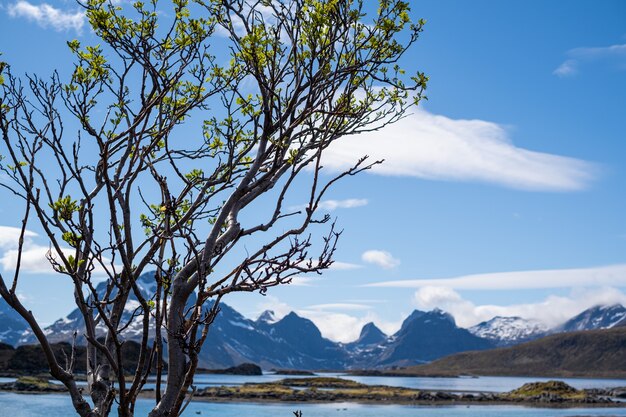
32	384
30	359
243	369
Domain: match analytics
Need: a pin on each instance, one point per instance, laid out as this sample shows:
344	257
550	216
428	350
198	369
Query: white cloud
611	275
266	13
339	327
340	306
271	302
34	256
614	55
344	266
330	205
334	325
342	327
9	236
552	311
302	281
599	52
381	258
33	260
567	68
46	16
429	146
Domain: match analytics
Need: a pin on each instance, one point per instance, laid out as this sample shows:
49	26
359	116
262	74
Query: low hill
30	359
595	353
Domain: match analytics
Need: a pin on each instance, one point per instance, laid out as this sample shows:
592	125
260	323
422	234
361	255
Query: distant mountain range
589	354
294	342
600	317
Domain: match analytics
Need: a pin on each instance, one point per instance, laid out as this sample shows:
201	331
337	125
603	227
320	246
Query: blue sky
503	194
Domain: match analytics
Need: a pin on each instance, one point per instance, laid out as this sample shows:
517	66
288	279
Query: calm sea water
481	384
29	405
463	384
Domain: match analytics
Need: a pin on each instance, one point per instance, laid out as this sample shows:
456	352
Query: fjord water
29	405
462	384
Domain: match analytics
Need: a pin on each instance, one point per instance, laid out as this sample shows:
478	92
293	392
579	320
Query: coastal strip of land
325	389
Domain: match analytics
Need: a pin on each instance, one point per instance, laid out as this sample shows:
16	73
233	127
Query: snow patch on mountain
268	316
509	330
599	317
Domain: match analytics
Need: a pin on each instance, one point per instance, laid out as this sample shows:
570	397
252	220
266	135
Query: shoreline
551	394
264	401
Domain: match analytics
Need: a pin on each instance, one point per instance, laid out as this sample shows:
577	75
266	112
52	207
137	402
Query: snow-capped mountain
267	317
292	342
366	350
506	331
425	336
12	325
295	342
63	329
599	317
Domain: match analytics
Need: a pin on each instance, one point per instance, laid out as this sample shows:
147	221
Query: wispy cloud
614	55
330	205
552	311
48	16
611	275
380	258
265	13
429	146
567	68
344	266
302	281
339	306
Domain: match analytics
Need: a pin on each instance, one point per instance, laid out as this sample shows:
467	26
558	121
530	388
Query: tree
181	123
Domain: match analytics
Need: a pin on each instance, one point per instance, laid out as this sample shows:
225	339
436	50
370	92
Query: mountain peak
597	317
509	330
416	314
370	335
268	316
292	316
369	327
440	314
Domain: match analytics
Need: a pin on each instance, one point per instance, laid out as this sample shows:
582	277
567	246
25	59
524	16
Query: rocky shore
33	385
323	389
552	393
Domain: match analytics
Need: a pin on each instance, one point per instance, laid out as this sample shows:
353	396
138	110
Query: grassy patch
319	382
555	388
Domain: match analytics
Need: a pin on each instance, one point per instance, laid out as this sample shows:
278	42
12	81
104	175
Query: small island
323	389
330	389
